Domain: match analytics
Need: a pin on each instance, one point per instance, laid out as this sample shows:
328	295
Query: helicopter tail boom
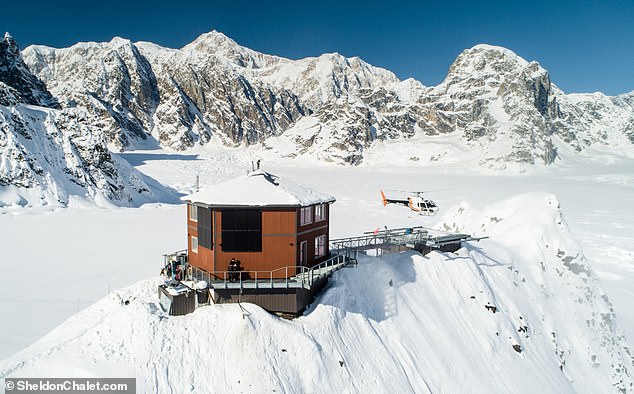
405	202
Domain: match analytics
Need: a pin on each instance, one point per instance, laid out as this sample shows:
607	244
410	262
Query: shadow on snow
372	288
138	158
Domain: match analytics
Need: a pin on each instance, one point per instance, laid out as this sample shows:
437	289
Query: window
306	215
320	246
193	213
320	212
205	228
194	244
241	230
303	253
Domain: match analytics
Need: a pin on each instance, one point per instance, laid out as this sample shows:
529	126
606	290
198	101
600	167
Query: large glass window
320	246
306	215
320	212
241	230
205	228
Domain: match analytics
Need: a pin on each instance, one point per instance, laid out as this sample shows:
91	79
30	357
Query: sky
587	46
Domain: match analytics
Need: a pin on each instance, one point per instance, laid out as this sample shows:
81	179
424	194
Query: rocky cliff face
50	155
495	99
17	83
335	108
180	97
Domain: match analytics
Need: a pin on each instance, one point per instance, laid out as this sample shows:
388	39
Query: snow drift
521	312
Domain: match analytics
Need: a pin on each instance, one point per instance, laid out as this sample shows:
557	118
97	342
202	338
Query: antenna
252	166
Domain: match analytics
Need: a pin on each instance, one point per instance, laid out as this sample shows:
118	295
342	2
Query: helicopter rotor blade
418	192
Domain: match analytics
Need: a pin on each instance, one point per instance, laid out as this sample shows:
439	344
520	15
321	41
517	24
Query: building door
303	253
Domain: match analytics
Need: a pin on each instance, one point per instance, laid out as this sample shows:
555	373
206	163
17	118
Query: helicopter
412	200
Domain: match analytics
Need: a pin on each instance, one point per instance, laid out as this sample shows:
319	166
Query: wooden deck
267	279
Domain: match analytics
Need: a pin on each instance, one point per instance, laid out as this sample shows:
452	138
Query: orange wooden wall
278	244
281	234
204	258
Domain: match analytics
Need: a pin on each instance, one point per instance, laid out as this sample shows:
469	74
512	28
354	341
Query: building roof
258	188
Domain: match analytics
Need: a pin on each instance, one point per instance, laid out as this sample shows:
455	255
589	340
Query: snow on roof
258	188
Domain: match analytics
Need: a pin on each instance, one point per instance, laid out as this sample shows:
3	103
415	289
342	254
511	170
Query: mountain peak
494	51
11	46
213	40
484	60
218	44
118	42
16	75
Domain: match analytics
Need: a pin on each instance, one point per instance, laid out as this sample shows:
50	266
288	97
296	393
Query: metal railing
291	276
418	238
324	268
379	239
343	252
179	255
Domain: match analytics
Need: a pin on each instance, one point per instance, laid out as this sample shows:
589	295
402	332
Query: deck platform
305	279
288	290
419	238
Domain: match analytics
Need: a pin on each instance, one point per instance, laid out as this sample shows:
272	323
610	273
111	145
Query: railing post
256	279
286	270
271	275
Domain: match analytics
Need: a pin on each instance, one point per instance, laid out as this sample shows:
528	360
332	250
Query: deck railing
379	239
343	251
285	277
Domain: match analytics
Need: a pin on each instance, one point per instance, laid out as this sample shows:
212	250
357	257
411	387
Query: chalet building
272	226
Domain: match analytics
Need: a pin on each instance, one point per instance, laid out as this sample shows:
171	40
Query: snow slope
401	323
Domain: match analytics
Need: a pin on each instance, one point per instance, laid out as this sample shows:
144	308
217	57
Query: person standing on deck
232	269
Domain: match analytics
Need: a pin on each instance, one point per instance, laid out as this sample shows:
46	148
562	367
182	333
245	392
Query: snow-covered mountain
49	155
17	83
522	312
492	102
